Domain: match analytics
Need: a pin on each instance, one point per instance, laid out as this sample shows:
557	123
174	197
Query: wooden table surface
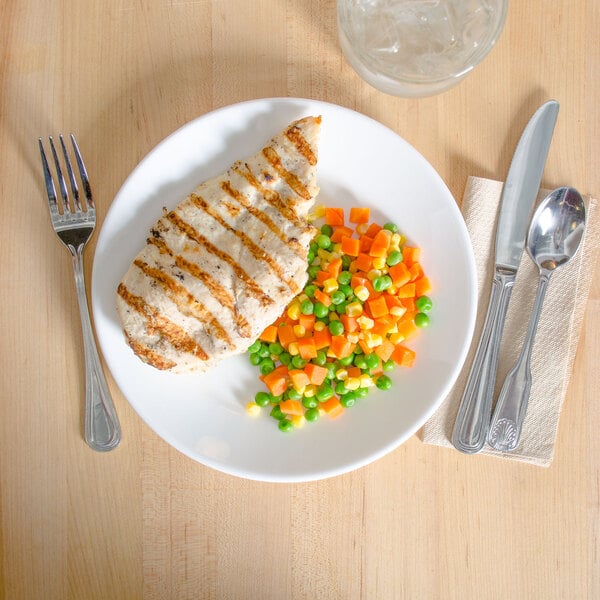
145	521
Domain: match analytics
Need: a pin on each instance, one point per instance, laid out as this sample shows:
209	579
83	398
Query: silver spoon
553	239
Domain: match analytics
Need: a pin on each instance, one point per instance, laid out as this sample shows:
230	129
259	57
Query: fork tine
83	173
50	189
71	174
61	180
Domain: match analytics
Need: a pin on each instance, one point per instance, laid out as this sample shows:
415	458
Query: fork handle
102	429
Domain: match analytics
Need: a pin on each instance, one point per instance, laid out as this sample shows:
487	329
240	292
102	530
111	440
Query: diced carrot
333	407
316	373
400	274
364	262
322	297
307	321
291	407
383	324
365	347
409	304
365	243
359	215
350	246
269	334
381	243
406	291
322	276
384	350
299	378
341	346
334	267
377	307
357	280
416	271
373	230
392	300
276	380
403	356
307	348
350	323
322	338
353	371
410	255
422	286
334	216
286	335
407	328
339	233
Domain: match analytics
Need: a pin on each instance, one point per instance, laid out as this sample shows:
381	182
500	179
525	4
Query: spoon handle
507	421
471	426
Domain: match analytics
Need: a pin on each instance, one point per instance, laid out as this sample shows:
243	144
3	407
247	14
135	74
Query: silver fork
74	224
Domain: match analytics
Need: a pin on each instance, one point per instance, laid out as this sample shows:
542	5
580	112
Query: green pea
321	358
391	227
421	320
326	229
313	246
275	399
293	394
285	358
255	346
312	271
338	297
331	369
346	261
380	284
310	257
346	361
345	289
340	309
285	425
341	389
348	400
383	382
423	304
361	392
372	361
389	365
276	413
344	278
275	348
310	290
266	366
264	351
310	402
298	362
360	361
307	307
393	258
255	359
312	414
336	327
320	310
262	398
324	241
324	393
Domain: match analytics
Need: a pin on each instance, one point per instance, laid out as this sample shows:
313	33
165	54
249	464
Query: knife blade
518	196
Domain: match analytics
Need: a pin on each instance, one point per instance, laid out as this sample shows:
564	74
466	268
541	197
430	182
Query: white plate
361	163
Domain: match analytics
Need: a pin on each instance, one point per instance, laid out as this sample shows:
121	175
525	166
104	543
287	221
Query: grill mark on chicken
250	284
187	304
216	290
257	252
262	216
272	197
157	324
290	178
154	359
294	134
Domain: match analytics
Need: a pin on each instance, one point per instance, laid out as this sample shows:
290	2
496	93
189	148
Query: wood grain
145	521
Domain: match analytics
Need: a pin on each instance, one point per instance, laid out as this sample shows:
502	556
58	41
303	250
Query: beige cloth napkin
558	329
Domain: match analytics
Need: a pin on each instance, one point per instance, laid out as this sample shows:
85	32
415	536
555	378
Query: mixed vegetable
365	297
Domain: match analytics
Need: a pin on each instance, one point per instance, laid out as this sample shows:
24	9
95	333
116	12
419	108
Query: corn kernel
353	267
316	261
299	330
365	322
293	348
392	290
323	254
373	274
393	328
352	338
396	338
402	239
333	316
379	262
354	309
319	326
397	311
361	292
301	389
293	311
361	228
298	421
337	249
395	239
352	383
366	381
330	285
253	409
310	390
373	340
301	298
341	374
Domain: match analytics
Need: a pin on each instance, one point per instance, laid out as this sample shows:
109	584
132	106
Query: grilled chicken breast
227	260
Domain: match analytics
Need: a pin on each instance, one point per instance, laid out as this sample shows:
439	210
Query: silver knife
518	196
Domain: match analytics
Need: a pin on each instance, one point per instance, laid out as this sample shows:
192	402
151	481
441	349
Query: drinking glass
416	48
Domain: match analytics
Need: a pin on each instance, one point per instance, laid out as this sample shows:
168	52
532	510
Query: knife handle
473	418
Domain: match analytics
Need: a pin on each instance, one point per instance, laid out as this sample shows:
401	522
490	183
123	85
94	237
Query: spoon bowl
552	241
